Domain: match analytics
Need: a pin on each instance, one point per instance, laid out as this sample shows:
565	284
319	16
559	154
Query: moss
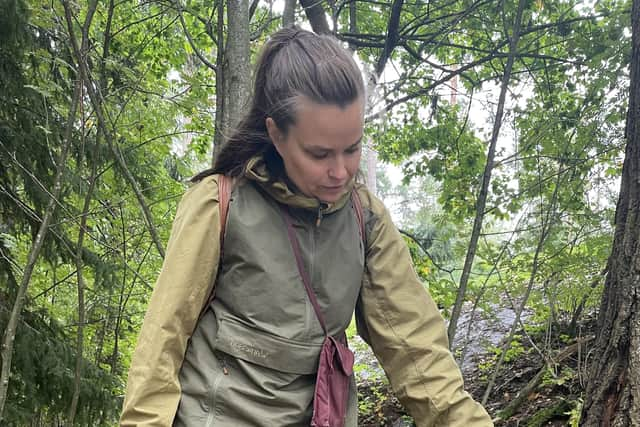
560	408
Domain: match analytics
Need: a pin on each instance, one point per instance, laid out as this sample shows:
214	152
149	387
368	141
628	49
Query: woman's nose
338	170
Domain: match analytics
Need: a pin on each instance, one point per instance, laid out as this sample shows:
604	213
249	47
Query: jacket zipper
314	232
322	206
214	391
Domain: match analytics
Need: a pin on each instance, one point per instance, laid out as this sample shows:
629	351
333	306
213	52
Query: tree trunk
613	388
289	13
10	332
391	42
80	284
113	360
316	15
221	67
353	22
238	78
83	223
486	177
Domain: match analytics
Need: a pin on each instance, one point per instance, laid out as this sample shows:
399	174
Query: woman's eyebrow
356	143
322	148
317	148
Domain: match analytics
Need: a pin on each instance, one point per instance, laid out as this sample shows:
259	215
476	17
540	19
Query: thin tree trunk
113	363
83	222
221	67
103	87
573	325
289	13
390	44
116	333
16	313
81	309
613	387
486	177
105	327
316	15
81	286
353	22
238	79
7	264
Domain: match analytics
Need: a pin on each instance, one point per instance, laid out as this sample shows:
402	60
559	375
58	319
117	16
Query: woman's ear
274	132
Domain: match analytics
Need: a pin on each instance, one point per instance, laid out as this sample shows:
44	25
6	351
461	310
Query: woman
251	358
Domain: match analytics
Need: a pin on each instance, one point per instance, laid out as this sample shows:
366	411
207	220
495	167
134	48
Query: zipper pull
321	207
223	362
319	218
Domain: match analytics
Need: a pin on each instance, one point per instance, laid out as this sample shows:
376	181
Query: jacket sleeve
184	283
407	333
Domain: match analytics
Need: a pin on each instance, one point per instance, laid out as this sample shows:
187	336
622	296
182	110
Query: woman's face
321	151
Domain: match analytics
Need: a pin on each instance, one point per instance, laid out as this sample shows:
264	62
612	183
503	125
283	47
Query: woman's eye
318	156
352	150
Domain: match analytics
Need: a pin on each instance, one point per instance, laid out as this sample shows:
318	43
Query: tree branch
316	15
191	42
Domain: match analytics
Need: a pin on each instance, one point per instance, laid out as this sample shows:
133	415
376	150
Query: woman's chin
330	195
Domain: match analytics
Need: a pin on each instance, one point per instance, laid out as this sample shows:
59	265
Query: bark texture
238	79
316	15
289	13
613	389
220	83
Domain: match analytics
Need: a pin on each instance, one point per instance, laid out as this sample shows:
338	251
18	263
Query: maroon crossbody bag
336	360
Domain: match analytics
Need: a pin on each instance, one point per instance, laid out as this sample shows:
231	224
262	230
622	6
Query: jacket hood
285	192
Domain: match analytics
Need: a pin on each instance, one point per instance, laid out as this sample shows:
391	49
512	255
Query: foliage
43	376
551	378
574	413
450	153
515	350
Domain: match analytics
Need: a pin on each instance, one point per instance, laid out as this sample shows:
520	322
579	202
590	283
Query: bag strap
295	245
357	207
224	196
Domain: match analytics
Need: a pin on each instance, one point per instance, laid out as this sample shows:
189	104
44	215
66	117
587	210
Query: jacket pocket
237	339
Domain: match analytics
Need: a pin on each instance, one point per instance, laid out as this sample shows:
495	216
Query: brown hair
294	64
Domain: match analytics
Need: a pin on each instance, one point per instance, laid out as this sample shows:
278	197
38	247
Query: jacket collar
283	190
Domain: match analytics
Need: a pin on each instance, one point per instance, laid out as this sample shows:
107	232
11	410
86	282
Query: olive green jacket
395	315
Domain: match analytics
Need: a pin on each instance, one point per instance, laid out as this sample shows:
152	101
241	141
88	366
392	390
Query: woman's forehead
316	123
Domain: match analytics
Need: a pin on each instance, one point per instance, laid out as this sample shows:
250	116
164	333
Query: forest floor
549	391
